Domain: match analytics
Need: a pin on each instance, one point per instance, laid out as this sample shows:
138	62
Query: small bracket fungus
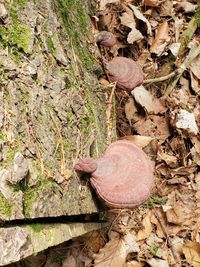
126	72
106	39
123	177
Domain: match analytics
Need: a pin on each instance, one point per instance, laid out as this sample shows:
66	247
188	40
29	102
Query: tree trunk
52	111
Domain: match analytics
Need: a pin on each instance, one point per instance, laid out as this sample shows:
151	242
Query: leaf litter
163	36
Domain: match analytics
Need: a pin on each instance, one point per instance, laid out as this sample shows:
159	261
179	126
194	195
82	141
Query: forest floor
164	120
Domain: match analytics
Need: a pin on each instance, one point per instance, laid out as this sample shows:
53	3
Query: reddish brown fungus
123	177
126	72
106	39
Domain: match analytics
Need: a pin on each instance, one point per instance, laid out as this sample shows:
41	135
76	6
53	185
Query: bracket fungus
125	72
123	177
106	39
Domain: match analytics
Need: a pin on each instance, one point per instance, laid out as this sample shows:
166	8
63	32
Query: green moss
197	16
5	206
2	137
70	117
16	37
50	45
11	154
155	201
80	31
31	194
36	227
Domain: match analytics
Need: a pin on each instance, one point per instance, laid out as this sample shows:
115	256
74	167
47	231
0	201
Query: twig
108	114
62	163
160	79
164	229
194	52
188	33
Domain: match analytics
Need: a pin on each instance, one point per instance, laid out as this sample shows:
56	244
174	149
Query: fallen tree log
52	110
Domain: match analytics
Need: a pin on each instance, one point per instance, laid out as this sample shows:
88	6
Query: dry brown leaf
127	19
154	126
147	101
134	264
187	6
138	140
146	231
157	263
140	16
161	39
152	3
195	67
115	251
182	208
69	261
170	160
104	82
195	150
191	251
103	3
130	110
177	243
194	83
167	9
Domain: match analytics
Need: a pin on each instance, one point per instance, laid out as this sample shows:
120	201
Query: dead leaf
146	231
147	101
69	261
195	150
170	160
140	16
157	263
152	3
183	209
161	39
127	19
138	140
194	83
115	251
195	67
130	110
104	82
103	3
187	6
134	264
191	251
154	126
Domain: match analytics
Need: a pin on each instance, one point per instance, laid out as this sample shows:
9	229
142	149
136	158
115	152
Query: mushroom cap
126	72
124	176
106	39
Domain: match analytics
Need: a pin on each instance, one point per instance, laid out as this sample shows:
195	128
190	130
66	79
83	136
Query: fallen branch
194	52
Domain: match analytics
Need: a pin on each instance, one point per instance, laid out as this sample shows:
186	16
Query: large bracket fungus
123	177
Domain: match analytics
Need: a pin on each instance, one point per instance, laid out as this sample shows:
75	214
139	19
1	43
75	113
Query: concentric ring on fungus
126	72
124	176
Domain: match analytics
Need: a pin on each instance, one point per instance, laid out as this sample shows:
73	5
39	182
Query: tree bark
52	112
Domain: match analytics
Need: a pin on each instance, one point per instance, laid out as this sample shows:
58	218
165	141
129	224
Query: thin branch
160	79
194	52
